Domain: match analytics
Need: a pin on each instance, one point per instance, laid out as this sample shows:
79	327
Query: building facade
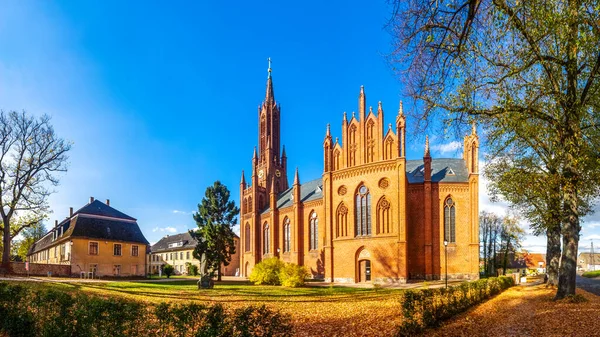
373	215
177	250
96	240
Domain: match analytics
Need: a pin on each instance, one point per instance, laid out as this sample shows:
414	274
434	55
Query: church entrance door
364	271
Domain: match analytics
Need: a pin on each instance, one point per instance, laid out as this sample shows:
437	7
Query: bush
267	272
427	308
273	271
48	312
168	270
192	269
292	275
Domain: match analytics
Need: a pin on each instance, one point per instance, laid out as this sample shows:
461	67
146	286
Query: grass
591	274
315	311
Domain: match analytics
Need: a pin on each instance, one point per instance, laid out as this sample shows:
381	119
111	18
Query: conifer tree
215	218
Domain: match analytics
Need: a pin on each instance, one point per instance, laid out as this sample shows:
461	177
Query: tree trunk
505	262
219	273
553	254
570	233
6	246
485	257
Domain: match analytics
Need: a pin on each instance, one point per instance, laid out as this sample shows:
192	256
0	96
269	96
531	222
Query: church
373	215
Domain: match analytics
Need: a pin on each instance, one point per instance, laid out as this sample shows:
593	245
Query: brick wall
40	269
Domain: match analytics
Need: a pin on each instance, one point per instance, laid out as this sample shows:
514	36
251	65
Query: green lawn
341	311
591	274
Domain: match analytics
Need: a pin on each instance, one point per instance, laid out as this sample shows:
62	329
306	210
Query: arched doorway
363	265
364	271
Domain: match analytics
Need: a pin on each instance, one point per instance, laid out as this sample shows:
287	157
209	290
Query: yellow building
97	240
177	250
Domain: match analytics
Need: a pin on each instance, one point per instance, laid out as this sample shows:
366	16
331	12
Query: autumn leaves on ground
527	311
337	311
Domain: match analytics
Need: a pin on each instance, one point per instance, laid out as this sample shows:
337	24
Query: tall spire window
449	220
362	209
314	231
247	237
286	235
266	239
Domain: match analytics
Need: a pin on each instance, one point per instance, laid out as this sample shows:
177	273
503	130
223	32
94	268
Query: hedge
427	308
47	312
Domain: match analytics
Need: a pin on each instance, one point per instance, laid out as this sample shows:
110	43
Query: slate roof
441	170
309	191
163	244
102	209
85	223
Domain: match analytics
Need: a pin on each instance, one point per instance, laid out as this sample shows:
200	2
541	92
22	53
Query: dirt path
527	311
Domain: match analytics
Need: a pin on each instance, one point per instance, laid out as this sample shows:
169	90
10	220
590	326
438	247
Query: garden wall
40	269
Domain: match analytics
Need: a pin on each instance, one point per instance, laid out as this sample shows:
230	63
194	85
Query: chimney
70	212
107	202
91	199
55	223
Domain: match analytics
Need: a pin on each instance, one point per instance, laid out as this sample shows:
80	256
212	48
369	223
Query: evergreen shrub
48	312
427	308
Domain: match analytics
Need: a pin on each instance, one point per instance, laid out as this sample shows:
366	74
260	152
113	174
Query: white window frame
120	249
97	247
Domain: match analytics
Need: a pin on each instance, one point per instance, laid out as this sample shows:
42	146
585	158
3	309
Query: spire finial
474	128
269	70
254	155
337	140
243	182
390	126
296	177
362	89
328	129
400	109
427	146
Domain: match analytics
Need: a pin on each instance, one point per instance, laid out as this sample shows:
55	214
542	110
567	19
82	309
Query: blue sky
160	99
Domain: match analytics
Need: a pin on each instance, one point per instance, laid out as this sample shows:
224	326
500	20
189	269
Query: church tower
271	165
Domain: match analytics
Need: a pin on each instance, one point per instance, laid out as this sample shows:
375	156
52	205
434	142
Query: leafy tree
529	72
30	236
511	236
168	270
490	225
31	155
215	218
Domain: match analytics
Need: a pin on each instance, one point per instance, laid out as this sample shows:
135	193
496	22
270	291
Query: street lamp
446	252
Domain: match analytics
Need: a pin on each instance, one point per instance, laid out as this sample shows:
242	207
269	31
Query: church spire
296	178
427	154
270	95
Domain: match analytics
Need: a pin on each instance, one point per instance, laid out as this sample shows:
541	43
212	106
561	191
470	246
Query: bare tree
31	155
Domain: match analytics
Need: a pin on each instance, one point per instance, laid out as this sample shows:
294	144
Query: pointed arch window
362	208
314	231
247	237
266	239
286	235
341	225
449	220
383	216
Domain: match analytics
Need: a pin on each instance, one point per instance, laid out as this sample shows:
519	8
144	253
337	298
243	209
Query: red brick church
373	215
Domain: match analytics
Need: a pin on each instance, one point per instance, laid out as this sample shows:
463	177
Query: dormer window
175	244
